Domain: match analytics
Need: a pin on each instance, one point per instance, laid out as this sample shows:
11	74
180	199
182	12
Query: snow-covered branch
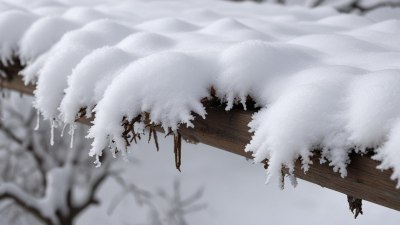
24	200
54	172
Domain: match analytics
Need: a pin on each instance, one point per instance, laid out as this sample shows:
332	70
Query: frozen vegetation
323	80
56	185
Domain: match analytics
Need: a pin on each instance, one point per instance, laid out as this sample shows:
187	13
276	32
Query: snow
381	110
13	23
233	191
66	55
302	119
78	94
322	80
254	68
59	180
168	105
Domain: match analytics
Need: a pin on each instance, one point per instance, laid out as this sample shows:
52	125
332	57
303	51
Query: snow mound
167	105
167	25
381	110
78	94
146	43
13	24
254	67
323	81
42	35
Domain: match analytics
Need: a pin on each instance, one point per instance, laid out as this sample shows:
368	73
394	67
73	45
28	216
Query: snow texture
322	80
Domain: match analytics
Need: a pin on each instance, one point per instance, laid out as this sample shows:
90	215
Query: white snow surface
322	80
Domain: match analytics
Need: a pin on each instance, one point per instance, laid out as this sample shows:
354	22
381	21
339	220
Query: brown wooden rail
228	131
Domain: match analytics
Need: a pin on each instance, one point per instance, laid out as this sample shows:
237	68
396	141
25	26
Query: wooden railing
229	131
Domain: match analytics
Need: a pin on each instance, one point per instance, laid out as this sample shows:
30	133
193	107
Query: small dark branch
355	205
153	132
177	150
282	181
169	133
91	200
150	133
129	131
20	201
10	70
156	139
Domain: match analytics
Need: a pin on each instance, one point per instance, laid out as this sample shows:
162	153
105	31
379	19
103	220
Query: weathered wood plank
229	131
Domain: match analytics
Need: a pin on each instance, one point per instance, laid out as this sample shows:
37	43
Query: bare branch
24	200
141	196
10	134
98	177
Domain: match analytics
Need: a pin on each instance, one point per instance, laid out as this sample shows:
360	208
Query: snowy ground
234	192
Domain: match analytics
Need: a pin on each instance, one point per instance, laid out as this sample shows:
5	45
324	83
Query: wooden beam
229	131
17	85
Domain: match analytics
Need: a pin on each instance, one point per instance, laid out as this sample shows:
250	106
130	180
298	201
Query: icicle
71	132
62	131
37	120
52	124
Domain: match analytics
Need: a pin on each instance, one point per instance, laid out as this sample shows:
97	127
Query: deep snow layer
322	79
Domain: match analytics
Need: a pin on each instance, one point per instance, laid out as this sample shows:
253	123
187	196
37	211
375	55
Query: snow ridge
322	80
